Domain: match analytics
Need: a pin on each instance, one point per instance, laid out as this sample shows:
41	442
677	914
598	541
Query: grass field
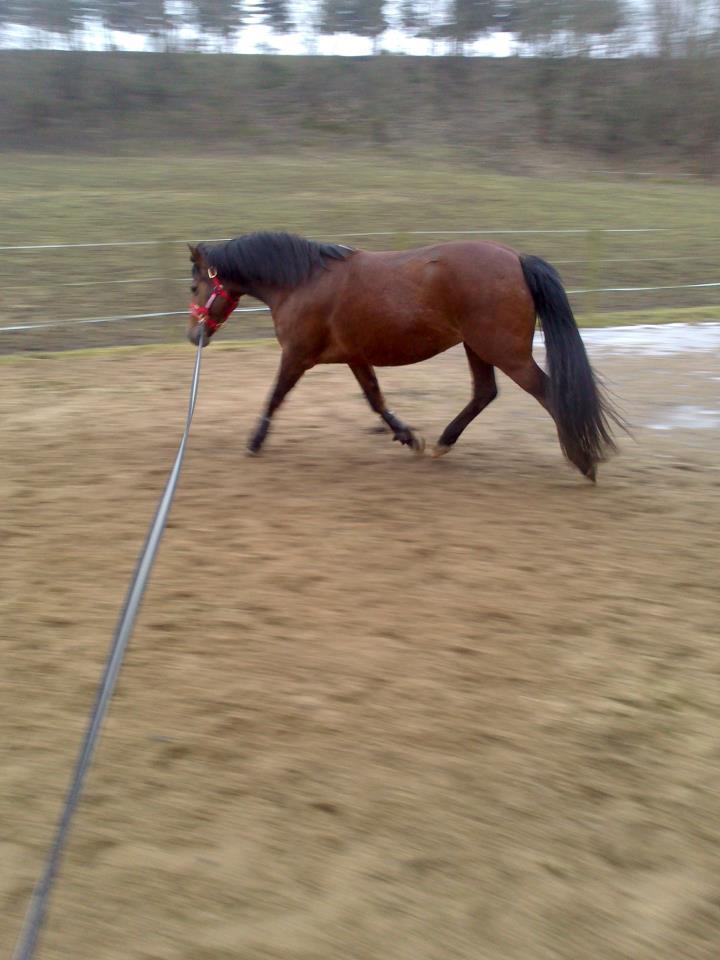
69	199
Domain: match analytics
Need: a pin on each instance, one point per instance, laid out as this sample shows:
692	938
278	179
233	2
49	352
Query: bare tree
469	19
364	18
218	19
562	27
276	14
684	28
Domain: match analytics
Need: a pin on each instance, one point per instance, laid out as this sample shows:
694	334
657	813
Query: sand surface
376	706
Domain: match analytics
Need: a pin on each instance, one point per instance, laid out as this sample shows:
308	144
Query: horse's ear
194	254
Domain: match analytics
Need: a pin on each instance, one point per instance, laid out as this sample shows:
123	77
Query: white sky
257	38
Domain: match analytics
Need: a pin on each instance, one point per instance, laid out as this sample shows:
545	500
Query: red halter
202	314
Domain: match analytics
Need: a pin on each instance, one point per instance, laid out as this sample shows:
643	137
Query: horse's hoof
439	450
418	445
249	452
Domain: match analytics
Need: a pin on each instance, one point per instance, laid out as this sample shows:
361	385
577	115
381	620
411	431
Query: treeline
650	113
544	27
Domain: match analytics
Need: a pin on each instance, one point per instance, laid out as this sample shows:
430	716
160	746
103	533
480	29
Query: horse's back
457	275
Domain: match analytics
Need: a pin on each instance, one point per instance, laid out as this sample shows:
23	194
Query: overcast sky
256	38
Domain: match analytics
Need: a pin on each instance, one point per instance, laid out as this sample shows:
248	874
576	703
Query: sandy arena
377	707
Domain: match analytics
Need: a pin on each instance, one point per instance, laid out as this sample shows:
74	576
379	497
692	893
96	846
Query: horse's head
212	301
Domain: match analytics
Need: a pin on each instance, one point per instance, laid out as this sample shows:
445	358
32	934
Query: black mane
270	259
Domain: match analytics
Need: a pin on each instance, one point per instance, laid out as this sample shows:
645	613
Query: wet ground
376	706
655	340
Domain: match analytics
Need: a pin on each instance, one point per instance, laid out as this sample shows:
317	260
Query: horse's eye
193	288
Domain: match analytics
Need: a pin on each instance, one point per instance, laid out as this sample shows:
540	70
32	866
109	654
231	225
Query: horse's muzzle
198	334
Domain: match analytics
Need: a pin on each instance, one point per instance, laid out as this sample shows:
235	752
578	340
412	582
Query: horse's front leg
365	376
292	367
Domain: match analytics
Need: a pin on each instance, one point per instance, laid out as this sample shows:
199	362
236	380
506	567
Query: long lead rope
123	631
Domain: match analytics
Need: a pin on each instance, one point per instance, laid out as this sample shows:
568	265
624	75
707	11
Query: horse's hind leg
365	376
536	382
484	392
528	375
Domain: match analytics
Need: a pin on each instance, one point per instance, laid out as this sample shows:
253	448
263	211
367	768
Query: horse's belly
415	354
389	345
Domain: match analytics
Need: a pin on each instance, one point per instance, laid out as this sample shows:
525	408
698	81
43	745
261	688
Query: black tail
581	411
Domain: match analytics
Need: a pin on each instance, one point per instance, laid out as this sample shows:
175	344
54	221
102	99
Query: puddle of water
687	417
654	339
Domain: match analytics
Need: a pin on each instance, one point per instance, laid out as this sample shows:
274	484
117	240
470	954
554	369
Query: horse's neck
270	296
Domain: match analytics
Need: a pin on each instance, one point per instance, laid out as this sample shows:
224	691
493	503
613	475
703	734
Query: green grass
62	199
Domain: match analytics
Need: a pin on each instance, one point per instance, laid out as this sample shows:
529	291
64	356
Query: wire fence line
556	262
76	321
667	286
102	283
500	231
104	243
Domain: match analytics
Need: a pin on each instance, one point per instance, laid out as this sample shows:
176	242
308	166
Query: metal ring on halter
212	272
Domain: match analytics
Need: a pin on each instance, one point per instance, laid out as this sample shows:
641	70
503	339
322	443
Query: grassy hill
514	115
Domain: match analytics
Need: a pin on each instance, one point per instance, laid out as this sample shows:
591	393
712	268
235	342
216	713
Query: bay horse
335	304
